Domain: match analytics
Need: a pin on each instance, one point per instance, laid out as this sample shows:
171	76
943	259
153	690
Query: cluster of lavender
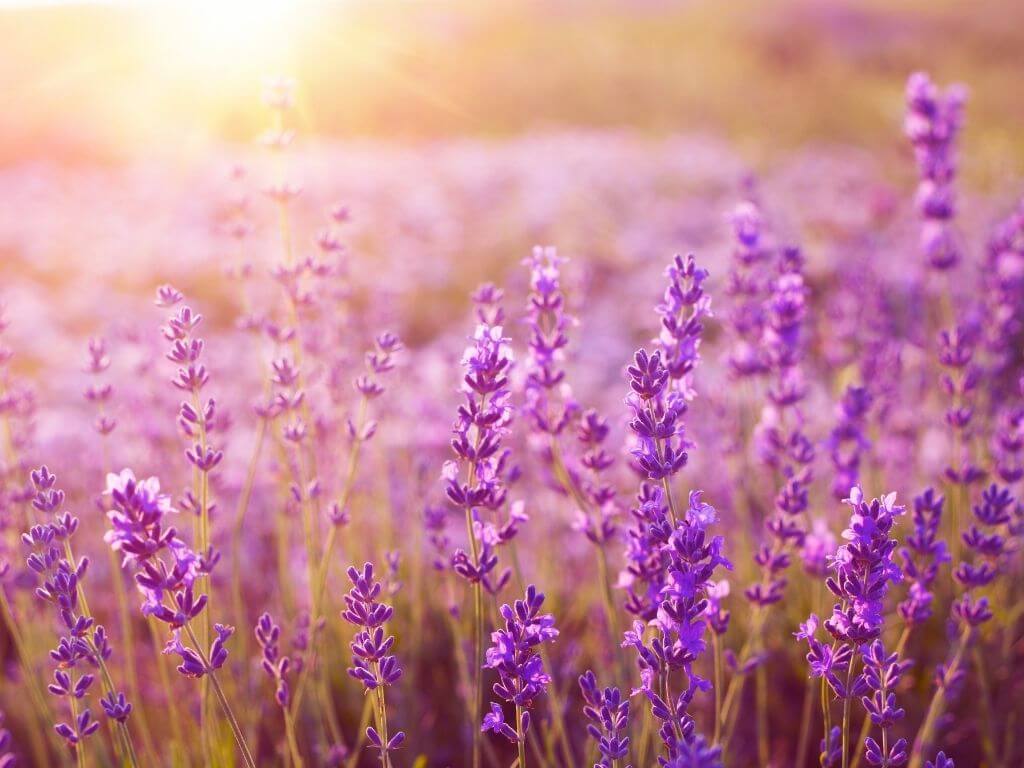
659	398
932	123
483	420
671	558
167	573
862	570
83	643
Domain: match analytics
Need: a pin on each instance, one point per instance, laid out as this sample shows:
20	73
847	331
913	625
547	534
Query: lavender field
618	437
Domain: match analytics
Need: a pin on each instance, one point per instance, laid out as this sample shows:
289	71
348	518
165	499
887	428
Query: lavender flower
922	556
848	441
547	401
747	287
276	666
372	662
882	674
83	641
608	713
514	656
784	446
167	573
932	123
863	568
690	560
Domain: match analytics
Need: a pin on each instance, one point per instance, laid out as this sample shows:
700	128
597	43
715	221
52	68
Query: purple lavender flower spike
373	664
608	713
747	287
923	555
548	400
514	655
932	123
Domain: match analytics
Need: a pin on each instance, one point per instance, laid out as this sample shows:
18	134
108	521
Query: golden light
225	40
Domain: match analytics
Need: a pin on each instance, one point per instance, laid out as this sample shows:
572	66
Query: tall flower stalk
473	482
372	662
515	657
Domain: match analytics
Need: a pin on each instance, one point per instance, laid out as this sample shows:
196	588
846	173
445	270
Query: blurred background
462	133
99	83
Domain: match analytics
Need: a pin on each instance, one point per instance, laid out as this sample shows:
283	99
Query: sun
229	37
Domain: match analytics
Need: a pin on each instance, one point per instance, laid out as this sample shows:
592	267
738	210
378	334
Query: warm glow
229	38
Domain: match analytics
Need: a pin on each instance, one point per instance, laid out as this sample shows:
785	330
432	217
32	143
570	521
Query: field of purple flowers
723	472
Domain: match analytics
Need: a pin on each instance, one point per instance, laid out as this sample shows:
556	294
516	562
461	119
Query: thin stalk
225	706
805	724
521	744
846	716
78	748
293	745
938	702
716	645
761	679
236	534
165	683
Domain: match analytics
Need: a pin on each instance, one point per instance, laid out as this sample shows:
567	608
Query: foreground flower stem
478	641
78	748
716	641
382	717
521	744
165	682
565	480
228	714
846	716
938	703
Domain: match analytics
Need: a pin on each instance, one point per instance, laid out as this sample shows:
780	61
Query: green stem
225	706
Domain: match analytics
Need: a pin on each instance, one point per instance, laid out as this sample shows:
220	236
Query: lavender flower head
607	711
476	479
548	399
932	123
373	664
514	656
